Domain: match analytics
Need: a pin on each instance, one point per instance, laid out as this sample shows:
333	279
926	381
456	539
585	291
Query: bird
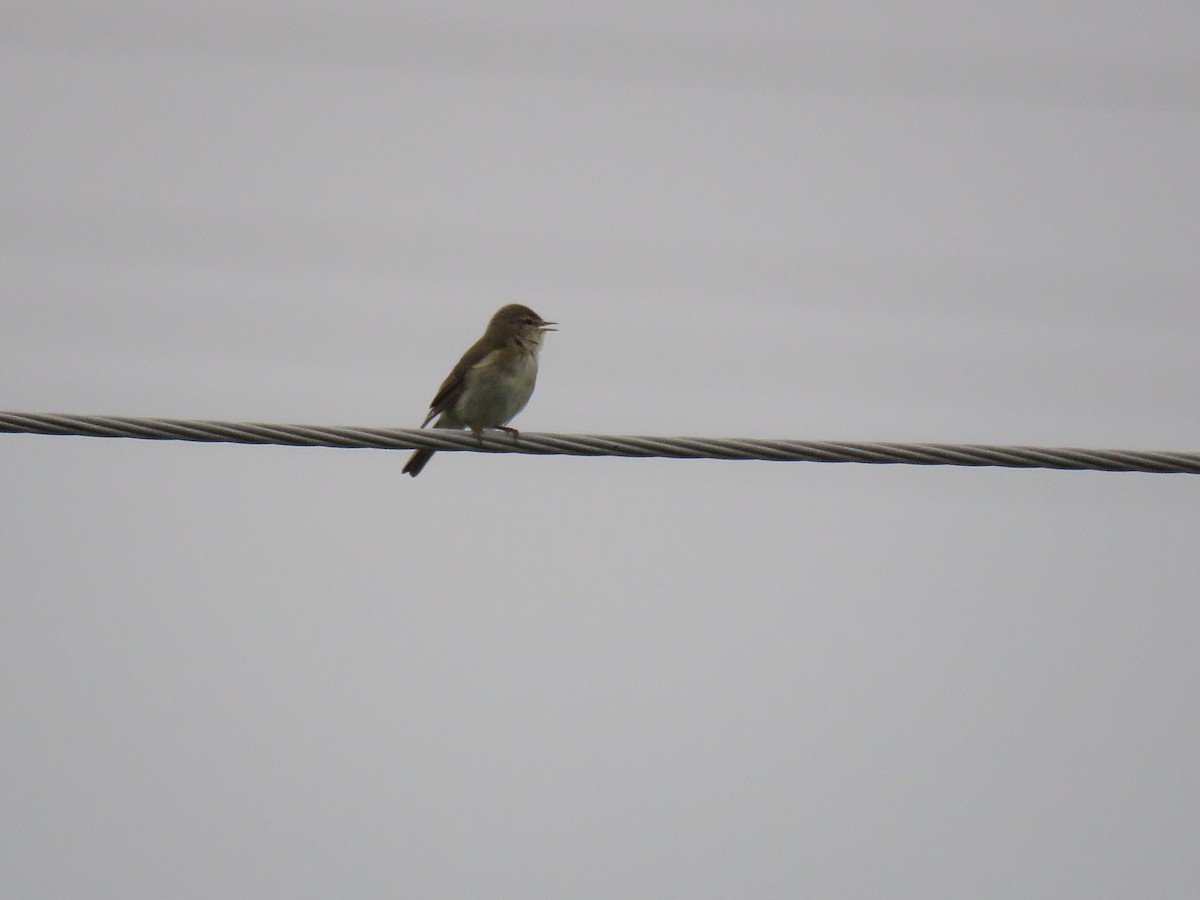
492	382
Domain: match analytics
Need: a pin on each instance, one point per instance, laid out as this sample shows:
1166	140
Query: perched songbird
492	382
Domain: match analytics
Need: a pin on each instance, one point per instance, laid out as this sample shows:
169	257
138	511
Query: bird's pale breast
496	389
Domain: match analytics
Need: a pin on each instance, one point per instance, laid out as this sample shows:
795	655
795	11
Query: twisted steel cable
602	445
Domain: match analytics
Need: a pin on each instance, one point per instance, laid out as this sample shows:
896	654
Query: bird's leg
516	434
478	432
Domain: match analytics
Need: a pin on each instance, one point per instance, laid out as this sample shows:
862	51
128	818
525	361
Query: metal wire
602	445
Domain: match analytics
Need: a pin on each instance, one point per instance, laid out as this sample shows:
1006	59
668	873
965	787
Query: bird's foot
516	434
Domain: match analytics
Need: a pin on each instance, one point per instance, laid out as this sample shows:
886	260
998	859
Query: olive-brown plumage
492	382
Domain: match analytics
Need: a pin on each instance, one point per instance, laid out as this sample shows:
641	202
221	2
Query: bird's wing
452	387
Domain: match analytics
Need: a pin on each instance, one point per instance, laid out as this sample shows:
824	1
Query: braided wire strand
602	445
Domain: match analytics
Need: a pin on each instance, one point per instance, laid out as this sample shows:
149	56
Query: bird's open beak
545	326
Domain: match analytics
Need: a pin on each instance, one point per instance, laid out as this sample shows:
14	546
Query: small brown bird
492	382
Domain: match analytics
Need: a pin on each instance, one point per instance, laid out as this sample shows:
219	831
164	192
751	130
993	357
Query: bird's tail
420	459
417	462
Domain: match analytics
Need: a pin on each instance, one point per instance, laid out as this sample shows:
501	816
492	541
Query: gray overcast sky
266	672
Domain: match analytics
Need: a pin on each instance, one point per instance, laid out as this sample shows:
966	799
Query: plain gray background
247	672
